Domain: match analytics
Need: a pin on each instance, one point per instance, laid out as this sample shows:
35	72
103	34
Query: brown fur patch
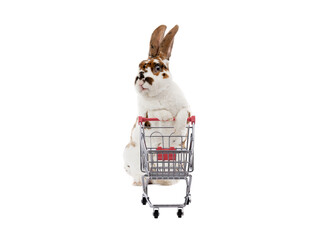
149	80
147	123
142	65
165	75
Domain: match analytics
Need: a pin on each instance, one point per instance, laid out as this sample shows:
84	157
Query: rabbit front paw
162	115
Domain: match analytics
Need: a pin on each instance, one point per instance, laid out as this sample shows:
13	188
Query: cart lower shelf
156	207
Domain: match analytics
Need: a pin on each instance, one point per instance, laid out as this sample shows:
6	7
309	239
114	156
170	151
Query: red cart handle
143	119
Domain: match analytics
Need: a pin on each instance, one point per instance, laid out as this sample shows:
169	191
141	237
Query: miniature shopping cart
165	156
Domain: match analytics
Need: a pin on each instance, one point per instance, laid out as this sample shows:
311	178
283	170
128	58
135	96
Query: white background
249	70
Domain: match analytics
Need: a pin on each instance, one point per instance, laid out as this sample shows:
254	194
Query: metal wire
171	157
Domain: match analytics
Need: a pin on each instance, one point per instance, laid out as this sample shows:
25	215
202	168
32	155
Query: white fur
163	100
131	158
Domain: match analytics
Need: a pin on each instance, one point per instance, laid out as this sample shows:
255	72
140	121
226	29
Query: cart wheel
180	213
144	201
156	213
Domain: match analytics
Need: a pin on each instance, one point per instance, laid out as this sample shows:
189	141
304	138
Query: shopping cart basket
166	156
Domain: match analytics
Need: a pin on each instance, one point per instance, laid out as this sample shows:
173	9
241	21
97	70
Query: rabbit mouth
143	88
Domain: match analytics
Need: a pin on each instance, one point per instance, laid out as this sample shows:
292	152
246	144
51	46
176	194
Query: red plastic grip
191	119
143	119
166	156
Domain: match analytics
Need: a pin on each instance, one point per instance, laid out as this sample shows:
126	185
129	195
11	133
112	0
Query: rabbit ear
167	43
156	40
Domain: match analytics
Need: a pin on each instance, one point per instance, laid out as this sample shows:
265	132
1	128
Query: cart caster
156	213
144	201
180	213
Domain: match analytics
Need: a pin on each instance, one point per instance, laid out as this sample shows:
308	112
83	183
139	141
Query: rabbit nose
141	75
140	82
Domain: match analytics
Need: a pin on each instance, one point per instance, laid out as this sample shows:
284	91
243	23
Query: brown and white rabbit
158	97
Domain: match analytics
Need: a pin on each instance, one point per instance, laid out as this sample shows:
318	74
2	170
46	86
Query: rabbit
158	97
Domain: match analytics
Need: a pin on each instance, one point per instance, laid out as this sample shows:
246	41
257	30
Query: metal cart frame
166	162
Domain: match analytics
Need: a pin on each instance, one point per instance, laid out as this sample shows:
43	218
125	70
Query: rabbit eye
157	68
